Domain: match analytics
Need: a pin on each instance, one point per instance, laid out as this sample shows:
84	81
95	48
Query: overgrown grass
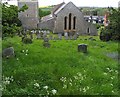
61	67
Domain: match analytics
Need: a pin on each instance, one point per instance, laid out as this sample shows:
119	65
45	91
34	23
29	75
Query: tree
114	26
112	31
43	13
10	22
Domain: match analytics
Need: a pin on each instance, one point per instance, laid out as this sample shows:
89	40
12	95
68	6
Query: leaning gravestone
8	52
82	48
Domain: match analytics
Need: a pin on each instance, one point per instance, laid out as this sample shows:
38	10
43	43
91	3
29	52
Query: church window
70	15
74	22
65	23
88	30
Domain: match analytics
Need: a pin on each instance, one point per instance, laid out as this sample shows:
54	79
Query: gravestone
31	35
46	42
8	52
48	32
38	36
66	36
46	39
75	37
82	48
44	34
60	36
50	37
71	37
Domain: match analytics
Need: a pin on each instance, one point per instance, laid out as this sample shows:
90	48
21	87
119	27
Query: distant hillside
86	10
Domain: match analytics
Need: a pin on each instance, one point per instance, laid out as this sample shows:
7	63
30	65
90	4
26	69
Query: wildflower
37	85
26	54
23	51
108	68
64	86
116	71
54	91
70	84
84	90
75	77
80	89
63	79
7	82
111	77
70	80
79	74
113	91
45	87
105	73
26	50
88	87
111	84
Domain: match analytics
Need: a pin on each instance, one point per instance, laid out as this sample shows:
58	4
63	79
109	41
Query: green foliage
114	26
105	35
112	31
93	11
61	67
27	40
43	13
10	22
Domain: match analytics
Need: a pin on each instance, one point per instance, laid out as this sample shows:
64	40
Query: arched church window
65	23
74	22
88	30
70	15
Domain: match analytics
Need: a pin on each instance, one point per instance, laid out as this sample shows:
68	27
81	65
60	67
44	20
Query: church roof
46	18
56	7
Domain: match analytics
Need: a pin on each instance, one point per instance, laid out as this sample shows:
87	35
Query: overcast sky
92	3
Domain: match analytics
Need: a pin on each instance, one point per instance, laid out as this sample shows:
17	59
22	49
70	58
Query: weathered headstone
8	52
46	43
38	36
82	48
44	34
31	36
46	39
66	36
50	37
71	37
60	36
75	37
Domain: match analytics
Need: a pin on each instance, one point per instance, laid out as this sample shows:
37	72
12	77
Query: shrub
27	40
104	34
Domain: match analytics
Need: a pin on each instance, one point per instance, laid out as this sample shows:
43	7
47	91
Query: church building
67	18
63	18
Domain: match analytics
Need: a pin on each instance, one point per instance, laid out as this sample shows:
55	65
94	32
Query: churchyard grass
60	69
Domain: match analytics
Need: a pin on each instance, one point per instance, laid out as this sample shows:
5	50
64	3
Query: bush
27	40
104	34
